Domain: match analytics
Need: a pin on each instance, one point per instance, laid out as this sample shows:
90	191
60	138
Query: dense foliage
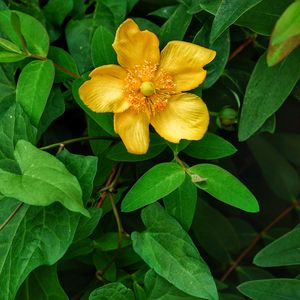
81	218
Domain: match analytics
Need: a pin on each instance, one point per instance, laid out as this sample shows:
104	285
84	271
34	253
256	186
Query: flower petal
184	62
135	47
105	91
133	128
185	117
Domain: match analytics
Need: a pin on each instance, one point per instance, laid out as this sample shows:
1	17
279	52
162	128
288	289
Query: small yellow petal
133	129
184	62
135	47
105	91
185	117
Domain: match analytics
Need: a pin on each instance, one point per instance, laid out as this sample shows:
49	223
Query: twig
57	66
100	273
294	205
239	49
10	217
80	139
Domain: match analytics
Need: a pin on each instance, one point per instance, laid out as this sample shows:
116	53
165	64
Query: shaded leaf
115	290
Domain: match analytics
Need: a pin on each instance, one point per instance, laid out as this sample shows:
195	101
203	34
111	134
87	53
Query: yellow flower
148	88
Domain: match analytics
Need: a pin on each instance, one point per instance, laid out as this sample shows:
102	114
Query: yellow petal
105	91
184	62
133	129
185	117
135	47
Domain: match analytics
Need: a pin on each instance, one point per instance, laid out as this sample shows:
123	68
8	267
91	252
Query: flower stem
80	139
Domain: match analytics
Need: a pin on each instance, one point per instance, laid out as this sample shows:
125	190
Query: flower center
147	88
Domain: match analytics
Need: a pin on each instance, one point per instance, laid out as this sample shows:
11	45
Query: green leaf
104	120
164	12
169	250
35	35
44	180
79	35
56	10
155	184
118	152
286	35
7	57
278	81
227	14
109	241
7	83
221	45
176	26
271	289
35	236
224	186
83	167
8	45
181	203
63	58
42	284
115	290
215	233
280	175
14	125
282	252
210	147
102	50
54	108
110	13
157	288
34	87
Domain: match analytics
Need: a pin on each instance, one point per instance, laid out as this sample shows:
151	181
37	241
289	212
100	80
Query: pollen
147	91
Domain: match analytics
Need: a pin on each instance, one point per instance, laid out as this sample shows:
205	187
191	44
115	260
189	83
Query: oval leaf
282	252
224	186
271	289
33	88
44	180
210	147
116	291
169	250
155	184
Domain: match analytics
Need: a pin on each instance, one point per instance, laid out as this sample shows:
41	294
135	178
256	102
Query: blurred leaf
7	57
281	177
246	273
215	233
155	184
42	284
211	146
79	35
169	250
35	236
286	35
110	13
56	10
271	289
44	180
157	288
224	186
115	290
35	35
221	45
14	125
118	152
8	45
109	241
164	12
54	108
7	84
104	120
34	87
145	24
269	125
181	203
102	50
278	81
227	14
101	260
176	26
63	58
282	252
